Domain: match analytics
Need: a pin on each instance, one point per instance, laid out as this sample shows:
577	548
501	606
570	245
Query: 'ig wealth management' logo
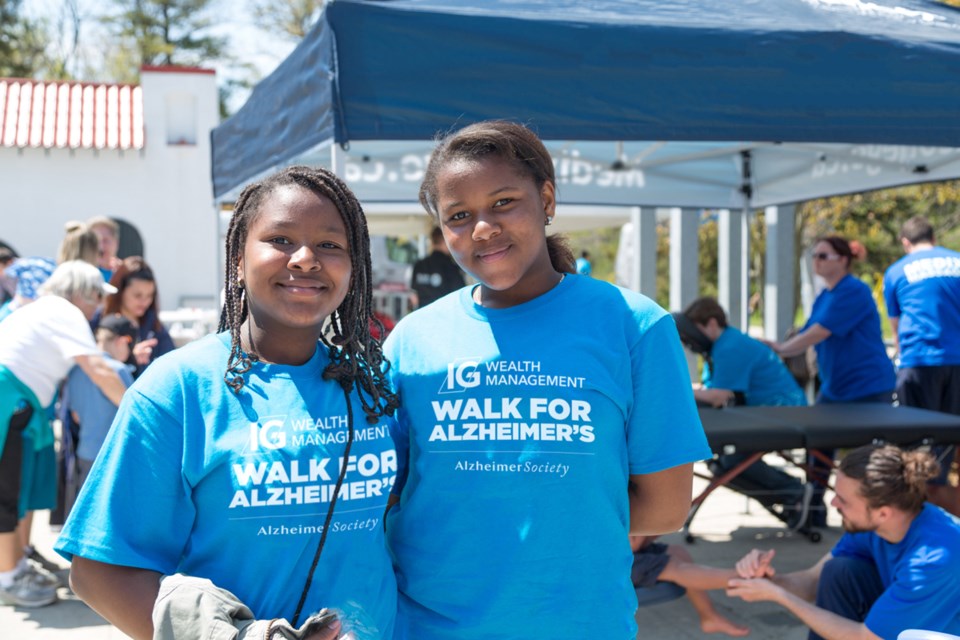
461	375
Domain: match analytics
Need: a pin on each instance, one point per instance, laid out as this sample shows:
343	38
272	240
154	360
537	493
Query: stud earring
548	221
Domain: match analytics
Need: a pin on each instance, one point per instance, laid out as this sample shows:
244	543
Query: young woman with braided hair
246	441
544	416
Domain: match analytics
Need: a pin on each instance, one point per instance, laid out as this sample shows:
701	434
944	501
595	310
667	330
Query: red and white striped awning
74	115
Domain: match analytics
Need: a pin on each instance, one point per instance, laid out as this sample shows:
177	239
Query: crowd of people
65	353
499	466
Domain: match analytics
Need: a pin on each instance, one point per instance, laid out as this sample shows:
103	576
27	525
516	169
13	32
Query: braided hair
889	475
356	356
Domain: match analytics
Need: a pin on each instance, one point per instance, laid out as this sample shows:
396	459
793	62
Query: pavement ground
727	526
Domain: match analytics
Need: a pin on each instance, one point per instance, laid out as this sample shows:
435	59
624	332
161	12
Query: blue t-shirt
919	574
584	267
853	361
922	289
743	364
522	427
94	411
235	488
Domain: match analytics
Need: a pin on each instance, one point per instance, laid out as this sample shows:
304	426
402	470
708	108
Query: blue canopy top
881	72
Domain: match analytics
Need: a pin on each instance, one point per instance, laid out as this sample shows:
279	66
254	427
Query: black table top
825	426
729	431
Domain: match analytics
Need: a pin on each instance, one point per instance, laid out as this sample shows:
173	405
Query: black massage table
756	431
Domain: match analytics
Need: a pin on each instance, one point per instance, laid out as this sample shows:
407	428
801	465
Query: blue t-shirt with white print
743	364
918	573
235	487
853	361
522	426
922	289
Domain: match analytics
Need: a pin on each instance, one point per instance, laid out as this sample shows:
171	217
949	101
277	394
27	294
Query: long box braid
356	356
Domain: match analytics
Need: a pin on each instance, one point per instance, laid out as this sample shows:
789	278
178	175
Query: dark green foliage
22	43
291	19
163	33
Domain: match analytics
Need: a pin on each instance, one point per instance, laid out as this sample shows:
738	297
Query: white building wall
164	190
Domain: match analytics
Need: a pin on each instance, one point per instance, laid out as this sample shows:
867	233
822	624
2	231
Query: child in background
86	413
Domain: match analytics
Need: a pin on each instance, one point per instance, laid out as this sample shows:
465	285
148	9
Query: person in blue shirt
584	268
29	274
844	330
545	416
741	370
922	292
86	412
895	567
739	364
259	458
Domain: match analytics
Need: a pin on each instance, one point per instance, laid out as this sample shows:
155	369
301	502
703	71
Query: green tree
64	50
602	244
160	33
874	219
23	43
291	19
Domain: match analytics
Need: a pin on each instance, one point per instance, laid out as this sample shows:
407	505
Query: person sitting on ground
87	410
895	568
435	275
654	561
740	370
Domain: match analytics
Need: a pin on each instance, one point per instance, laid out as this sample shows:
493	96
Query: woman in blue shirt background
844	330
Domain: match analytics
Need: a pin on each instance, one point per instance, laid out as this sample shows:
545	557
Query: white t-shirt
38	343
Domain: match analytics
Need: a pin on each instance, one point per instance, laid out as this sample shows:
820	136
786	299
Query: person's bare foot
719	624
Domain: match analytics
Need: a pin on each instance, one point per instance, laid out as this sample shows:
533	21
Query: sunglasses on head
825	256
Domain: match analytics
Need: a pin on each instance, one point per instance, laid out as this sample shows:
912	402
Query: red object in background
386	321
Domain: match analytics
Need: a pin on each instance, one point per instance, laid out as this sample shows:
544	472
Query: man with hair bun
894	569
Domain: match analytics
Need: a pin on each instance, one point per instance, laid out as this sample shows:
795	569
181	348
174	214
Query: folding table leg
718	481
